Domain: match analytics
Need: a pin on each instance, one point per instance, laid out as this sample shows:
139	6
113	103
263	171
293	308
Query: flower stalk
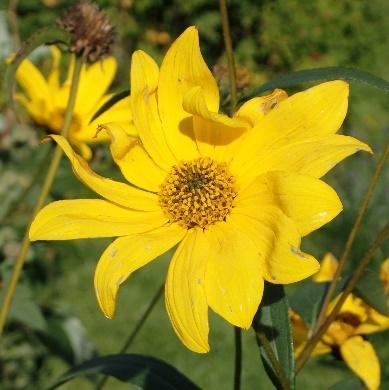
42	196
351	238
306	352
229	54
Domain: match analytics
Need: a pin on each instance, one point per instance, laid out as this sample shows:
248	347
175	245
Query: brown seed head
92	34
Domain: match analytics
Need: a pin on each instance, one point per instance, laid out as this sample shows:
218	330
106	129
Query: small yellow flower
46	99
235	194
344	335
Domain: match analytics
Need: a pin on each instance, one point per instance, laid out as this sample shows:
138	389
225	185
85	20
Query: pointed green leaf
371	290
48	35
319	75
272	318
110	102
143	371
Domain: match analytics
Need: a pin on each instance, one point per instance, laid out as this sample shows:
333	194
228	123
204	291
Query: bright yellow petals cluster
46	99
354	320
236	194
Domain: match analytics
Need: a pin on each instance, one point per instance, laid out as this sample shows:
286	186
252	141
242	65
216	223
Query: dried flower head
92	33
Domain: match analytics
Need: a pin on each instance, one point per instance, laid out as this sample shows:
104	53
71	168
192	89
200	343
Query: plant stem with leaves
20	260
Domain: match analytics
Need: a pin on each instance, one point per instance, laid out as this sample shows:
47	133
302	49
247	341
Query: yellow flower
46	99
236	194
355	319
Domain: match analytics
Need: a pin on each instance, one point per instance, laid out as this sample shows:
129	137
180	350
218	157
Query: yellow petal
87	218
212	130
127	254
35	86
135	164
234	283
114	191
95	80
255	109
360	356
277	243
53	79
182	69
309	202
83	149
316	112
375	322
120	113
186	301
384	275
144	103
328	267
314	157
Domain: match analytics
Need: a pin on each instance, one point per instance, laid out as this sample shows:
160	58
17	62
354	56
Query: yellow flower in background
235	194
46	99
345	334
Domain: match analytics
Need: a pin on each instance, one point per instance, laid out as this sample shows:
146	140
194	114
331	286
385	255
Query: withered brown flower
92	33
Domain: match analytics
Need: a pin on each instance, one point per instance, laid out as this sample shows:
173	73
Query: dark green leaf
371	290
306	301
321	74
143	371
110	102
272	318
46	35
348	384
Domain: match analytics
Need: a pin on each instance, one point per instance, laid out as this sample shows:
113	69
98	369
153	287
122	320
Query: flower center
199	192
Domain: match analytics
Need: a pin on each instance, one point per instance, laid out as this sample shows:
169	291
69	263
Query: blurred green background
55	318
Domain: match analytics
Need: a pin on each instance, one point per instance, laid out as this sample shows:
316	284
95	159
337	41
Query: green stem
303	357
265	343
351	238
136	330
42	196
238	358
229	53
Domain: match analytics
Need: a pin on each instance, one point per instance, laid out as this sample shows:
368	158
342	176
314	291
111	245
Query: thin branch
351	238
229	53
136	330
238	358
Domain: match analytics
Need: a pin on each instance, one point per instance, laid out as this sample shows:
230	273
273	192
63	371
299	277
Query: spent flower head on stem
92	33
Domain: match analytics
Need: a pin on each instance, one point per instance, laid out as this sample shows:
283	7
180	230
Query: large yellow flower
345	334
46	99
236	194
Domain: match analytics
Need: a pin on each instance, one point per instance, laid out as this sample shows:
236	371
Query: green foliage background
270	38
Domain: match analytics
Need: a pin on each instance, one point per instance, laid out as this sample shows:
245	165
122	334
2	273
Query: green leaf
348	384
371	290
306	301
48	35
143	371
110	102
272	318
321	74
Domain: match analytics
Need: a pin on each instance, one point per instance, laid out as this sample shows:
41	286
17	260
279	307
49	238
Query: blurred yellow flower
344	335
235	194
46	99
